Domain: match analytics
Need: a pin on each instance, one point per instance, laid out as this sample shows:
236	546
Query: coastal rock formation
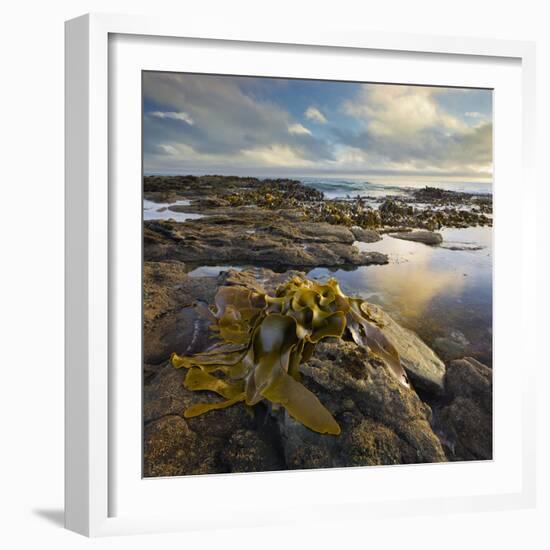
467	420
275	241
383	422
424	367
282	225
427	237
365	235
169	323
220	441
426	208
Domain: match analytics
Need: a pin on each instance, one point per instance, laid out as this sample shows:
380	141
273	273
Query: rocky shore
273	230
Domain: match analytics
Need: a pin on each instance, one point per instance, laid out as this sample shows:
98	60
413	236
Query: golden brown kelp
263	340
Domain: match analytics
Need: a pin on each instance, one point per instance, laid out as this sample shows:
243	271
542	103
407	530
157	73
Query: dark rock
170	321
171	449
462	246
365	235
466	421
427	237
428	208
273	241
449	348
182	331
424	367
245	450
256	278
382	421
221	441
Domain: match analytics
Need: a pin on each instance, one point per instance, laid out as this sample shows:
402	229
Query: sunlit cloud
184	117
312	113
276	155
400	112
298	129
250	126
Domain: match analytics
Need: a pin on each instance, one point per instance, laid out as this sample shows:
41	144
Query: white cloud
184	117
396	129
298	129
230	114
168	149
312	113
182	156
400	112
276	155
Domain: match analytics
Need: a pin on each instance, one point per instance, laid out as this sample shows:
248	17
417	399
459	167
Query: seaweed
263	339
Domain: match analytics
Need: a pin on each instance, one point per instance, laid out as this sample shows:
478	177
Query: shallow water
444	295
160	211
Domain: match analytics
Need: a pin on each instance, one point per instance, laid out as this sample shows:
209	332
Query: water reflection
443	294
161	211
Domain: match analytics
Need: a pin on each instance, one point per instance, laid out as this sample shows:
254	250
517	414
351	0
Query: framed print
289	270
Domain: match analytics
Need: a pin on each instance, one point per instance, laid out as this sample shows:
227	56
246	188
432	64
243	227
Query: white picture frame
92	432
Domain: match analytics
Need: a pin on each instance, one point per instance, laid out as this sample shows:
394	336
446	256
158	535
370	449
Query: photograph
317	274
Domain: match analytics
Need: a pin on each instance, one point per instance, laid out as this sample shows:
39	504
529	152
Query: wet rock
365	235
257	278
427	208
452	346
424	367
427	237
181	331
462	246
466	421
257	240
170	322
382	421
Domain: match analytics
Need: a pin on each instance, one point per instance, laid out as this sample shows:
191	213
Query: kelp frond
264	339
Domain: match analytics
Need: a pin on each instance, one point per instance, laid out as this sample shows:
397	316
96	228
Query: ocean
339	188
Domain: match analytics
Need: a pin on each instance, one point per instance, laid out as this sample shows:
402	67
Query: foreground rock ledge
382	421
255	238
466	418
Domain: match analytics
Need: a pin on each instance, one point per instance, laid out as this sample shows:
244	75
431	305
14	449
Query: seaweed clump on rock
263	339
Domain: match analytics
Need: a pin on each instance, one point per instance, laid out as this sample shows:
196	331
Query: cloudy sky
202	124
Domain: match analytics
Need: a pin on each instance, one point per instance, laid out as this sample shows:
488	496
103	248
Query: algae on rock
263	339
